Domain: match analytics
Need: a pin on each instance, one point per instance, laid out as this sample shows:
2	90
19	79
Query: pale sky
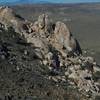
56	1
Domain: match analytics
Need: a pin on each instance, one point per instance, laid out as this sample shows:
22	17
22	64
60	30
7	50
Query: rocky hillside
42	60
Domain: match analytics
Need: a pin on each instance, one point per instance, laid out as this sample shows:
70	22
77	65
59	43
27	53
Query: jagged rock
9	18
65	39
35	27
43	25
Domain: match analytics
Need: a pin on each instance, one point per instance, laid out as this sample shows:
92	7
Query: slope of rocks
29	54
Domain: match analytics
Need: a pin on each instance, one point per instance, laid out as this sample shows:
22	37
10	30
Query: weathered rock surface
43	25
9	18
65	39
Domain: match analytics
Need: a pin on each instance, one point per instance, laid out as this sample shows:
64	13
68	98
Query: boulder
65	40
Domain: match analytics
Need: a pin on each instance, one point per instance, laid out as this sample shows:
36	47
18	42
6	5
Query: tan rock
43	25
64	38
45	62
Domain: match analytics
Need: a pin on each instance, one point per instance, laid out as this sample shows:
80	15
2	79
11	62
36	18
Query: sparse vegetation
24	76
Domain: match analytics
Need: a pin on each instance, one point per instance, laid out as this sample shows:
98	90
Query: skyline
52	1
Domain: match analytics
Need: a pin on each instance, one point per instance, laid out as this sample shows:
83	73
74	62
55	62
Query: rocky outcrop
57	34
43	32
56	48
43	25
9	18
65	39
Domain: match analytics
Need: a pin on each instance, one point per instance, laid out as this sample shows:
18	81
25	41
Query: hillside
42	59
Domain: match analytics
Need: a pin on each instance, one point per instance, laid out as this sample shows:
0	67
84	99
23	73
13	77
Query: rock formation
48	39
65	39
9	18
43	25
42	31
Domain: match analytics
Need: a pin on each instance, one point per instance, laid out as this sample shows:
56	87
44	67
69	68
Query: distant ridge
19	2
24	2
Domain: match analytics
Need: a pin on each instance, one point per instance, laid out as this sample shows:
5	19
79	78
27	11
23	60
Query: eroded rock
65	39
43	25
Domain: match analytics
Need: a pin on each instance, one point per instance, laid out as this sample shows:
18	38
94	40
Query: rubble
82	78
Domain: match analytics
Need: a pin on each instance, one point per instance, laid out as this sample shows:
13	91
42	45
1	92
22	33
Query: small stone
45	62
77	67
50	68
25	52
80	61
55	79
66	73
73	76
17	68
63	79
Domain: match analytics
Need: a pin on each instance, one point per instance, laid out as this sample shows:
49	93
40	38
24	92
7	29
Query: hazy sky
73	1
59	1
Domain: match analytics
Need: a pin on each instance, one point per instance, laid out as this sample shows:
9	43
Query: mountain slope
26	76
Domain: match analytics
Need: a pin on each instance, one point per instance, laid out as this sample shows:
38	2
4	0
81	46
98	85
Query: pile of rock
79	72
82	74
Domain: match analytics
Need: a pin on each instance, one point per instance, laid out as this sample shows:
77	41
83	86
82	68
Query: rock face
65	39
43	25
